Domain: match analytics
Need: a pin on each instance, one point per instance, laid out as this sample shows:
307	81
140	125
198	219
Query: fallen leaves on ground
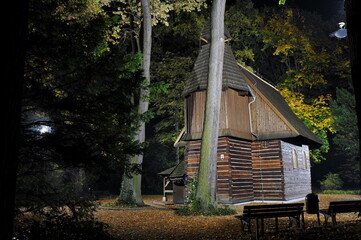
160	222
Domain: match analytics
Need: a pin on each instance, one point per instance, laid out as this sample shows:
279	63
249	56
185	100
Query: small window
304	160
294	158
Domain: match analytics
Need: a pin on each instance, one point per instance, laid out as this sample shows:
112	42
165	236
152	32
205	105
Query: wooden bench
293	211
340	207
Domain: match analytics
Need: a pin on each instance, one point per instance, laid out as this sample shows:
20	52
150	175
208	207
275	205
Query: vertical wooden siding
195	108
237	111
267	170
297	180
265	121
234	115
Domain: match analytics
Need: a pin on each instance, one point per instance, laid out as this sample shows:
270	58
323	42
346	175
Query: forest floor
159	221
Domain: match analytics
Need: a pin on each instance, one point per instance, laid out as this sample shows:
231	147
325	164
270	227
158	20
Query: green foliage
46	186
196	210
83	87
59	228
192	189
244	23
171	74
194	205
332	181
348	192
347	137
345	122
307	58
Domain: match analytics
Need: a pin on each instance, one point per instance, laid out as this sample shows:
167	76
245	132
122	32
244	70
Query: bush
60	228
332	181
194	206
350	192
189	211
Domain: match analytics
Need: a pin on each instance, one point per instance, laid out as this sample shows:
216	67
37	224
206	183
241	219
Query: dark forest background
82	80
83	75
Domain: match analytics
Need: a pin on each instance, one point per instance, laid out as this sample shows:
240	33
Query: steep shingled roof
240	79
175	172
206	33
232	77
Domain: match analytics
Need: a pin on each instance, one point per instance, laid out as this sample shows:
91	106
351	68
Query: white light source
44	129
341	33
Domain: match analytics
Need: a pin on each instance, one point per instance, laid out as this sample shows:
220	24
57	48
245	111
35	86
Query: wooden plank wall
267	170
236	111
234	171
192	158
265	120
233	113
195	108
242	174
260	170
297	179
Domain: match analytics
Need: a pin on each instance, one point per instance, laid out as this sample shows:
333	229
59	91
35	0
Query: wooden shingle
232	77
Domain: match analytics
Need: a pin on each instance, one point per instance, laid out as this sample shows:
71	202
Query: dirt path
160	222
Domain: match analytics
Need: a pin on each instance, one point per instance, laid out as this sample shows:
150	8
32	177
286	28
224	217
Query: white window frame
294	158
304	160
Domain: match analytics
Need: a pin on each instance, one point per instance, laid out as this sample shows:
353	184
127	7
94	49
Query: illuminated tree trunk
131	187
207	178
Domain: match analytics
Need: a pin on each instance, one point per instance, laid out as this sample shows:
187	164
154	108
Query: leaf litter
160	222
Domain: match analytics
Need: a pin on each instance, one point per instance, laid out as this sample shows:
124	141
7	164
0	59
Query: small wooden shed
263	147
174	180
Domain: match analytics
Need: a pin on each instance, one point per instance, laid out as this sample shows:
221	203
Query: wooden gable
268	117
275	119
266	123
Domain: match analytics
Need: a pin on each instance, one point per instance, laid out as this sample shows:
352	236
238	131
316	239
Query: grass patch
121	204
216	211
350	192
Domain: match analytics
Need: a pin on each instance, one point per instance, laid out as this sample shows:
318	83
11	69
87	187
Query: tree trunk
207	178
352	16
131	187
14	74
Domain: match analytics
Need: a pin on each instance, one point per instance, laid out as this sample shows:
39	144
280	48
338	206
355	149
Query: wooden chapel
263	147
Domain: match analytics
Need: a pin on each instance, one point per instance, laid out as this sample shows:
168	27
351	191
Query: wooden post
164	194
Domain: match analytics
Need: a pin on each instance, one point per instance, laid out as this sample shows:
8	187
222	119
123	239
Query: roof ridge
260	78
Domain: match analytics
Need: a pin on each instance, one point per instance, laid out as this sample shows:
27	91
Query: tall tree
207	178
144	92
352	16
76	83
131	187
347	137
